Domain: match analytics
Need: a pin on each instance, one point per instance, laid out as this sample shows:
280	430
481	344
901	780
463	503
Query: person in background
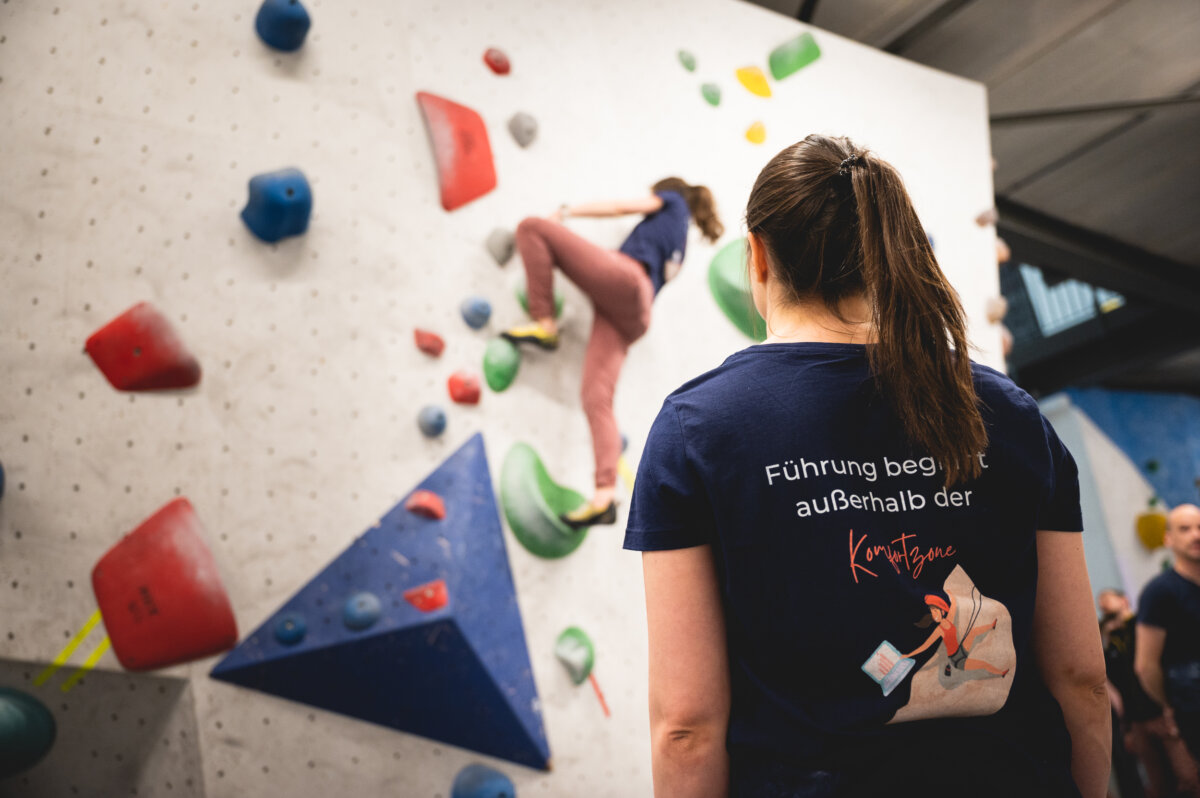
798	505
622	285
1167	655
1146	734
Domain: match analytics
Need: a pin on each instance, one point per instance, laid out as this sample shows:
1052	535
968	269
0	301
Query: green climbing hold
793	55
728	279
533	502
501	360
688	60
575	651
712	93
27	731
523	298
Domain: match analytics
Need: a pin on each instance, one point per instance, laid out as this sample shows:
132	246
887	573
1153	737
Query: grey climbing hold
523	128
502	244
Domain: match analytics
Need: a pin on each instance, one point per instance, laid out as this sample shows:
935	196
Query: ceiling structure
1095	111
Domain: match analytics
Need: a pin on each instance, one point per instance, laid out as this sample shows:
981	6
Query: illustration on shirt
969	671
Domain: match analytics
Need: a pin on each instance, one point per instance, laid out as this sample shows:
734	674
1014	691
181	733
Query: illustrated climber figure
941	615
622	285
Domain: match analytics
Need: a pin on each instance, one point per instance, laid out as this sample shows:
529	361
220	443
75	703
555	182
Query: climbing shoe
532	334
587	515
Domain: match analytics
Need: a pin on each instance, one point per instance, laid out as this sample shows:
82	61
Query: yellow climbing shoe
589	515
532	334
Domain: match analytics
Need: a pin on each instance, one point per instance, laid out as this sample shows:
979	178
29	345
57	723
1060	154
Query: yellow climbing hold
756	133
754	80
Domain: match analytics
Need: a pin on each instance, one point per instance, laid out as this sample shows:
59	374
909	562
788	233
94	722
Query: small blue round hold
279	206
432	421
361	610
282	24
480	781
290	628
476	311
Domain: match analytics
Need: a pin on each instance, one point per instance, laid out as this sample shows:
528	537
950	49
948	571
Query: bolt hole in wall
405	263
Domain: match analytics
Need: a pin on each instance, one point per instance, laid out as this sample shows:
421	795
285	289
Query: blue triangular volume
460	674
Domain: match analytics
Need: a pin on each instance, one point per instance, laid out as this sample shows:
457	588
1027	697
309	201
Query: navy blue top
1172	602
660	237
839	551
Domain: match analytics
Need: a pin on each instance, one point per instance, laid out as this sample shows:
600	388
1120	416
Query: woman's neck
812	321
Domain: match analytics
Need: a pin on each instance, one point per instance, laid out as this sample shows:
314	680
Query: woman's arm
1066	642
648	204
689	674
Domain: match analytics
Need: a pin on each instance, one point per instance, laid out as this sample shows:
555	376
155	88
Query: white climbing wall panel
128	133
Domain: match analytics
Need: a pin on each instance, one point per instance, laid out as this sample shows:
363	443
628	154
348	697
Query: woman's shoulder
998	391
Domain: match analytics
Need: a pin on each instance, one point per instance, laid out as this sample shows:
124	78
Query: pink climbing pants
621	294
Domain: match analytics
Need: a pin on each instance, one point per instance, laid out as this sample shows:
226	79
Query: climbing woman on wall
775	635
622	284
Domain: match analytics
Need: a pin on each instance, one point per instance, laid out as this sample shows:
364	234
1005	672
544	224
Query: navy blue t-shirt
1171	601
660	237
872	615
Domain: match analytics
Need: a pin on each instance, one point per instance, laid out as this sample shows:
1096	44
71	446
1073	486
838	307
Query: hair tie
844	168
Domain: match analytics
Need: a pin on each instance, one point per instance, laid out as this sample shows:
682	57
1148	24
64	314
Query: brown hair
699	201
836	223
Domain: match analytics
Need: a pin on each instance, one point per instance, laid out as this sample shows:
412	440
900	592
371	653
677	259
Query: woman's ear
758	259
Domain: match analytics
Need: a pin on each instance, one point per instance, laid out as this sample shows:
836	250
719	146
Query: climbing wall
130	133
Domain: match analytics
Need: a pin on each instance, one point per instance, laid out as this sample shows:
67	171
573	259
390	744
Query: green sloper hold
575	651
501	360
793	55
27	731
532	503
688	60
523	298
729	282
712	93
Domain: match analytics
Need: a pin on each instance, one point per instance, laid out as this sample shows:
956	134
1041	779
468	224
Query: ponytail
700	203
839	223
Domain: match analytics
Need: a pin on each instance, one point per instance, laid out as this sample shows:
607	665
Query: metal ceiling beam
1021	117
938	15
1097	259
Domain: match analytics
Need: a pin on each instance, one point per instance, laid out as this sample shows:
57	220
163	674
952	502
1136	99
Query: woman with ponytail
622	285
800	505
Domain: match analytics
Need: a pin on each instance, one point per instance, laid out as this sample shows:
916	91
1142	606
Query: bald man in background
1168	630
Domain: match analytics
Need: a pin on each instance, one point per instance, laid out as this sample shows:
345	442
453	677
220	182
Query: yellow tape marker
88	664
66	653
626	472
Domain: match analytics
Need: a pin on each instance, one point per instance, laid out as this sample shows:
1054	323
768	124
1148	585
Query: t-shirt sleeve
670	508
1154	605
1060	509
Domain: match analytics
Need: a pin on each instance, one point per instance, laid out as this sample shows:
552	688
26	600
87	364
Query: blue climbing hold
432	421
361	611
27	731
290	628
476	311
481	781
624	443
282	24
1	480
279	205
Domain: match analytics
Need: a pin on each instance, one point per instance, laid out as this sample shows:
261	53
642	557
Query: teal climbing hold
533	502
523	298
688	60
481	781
501	360
27	731
793	55
729	281
712	93
575	651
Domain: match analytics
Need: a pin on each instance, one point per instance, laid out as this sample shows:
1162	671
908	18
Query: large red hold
426	503
139	351
429	596
429	342
460	148
160	594
464	388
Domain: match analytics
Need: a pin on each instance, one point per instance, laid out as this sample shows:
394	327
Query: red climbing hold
428	342
497	61
160	594
139	351
429	596
460	148
426	503
464	388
